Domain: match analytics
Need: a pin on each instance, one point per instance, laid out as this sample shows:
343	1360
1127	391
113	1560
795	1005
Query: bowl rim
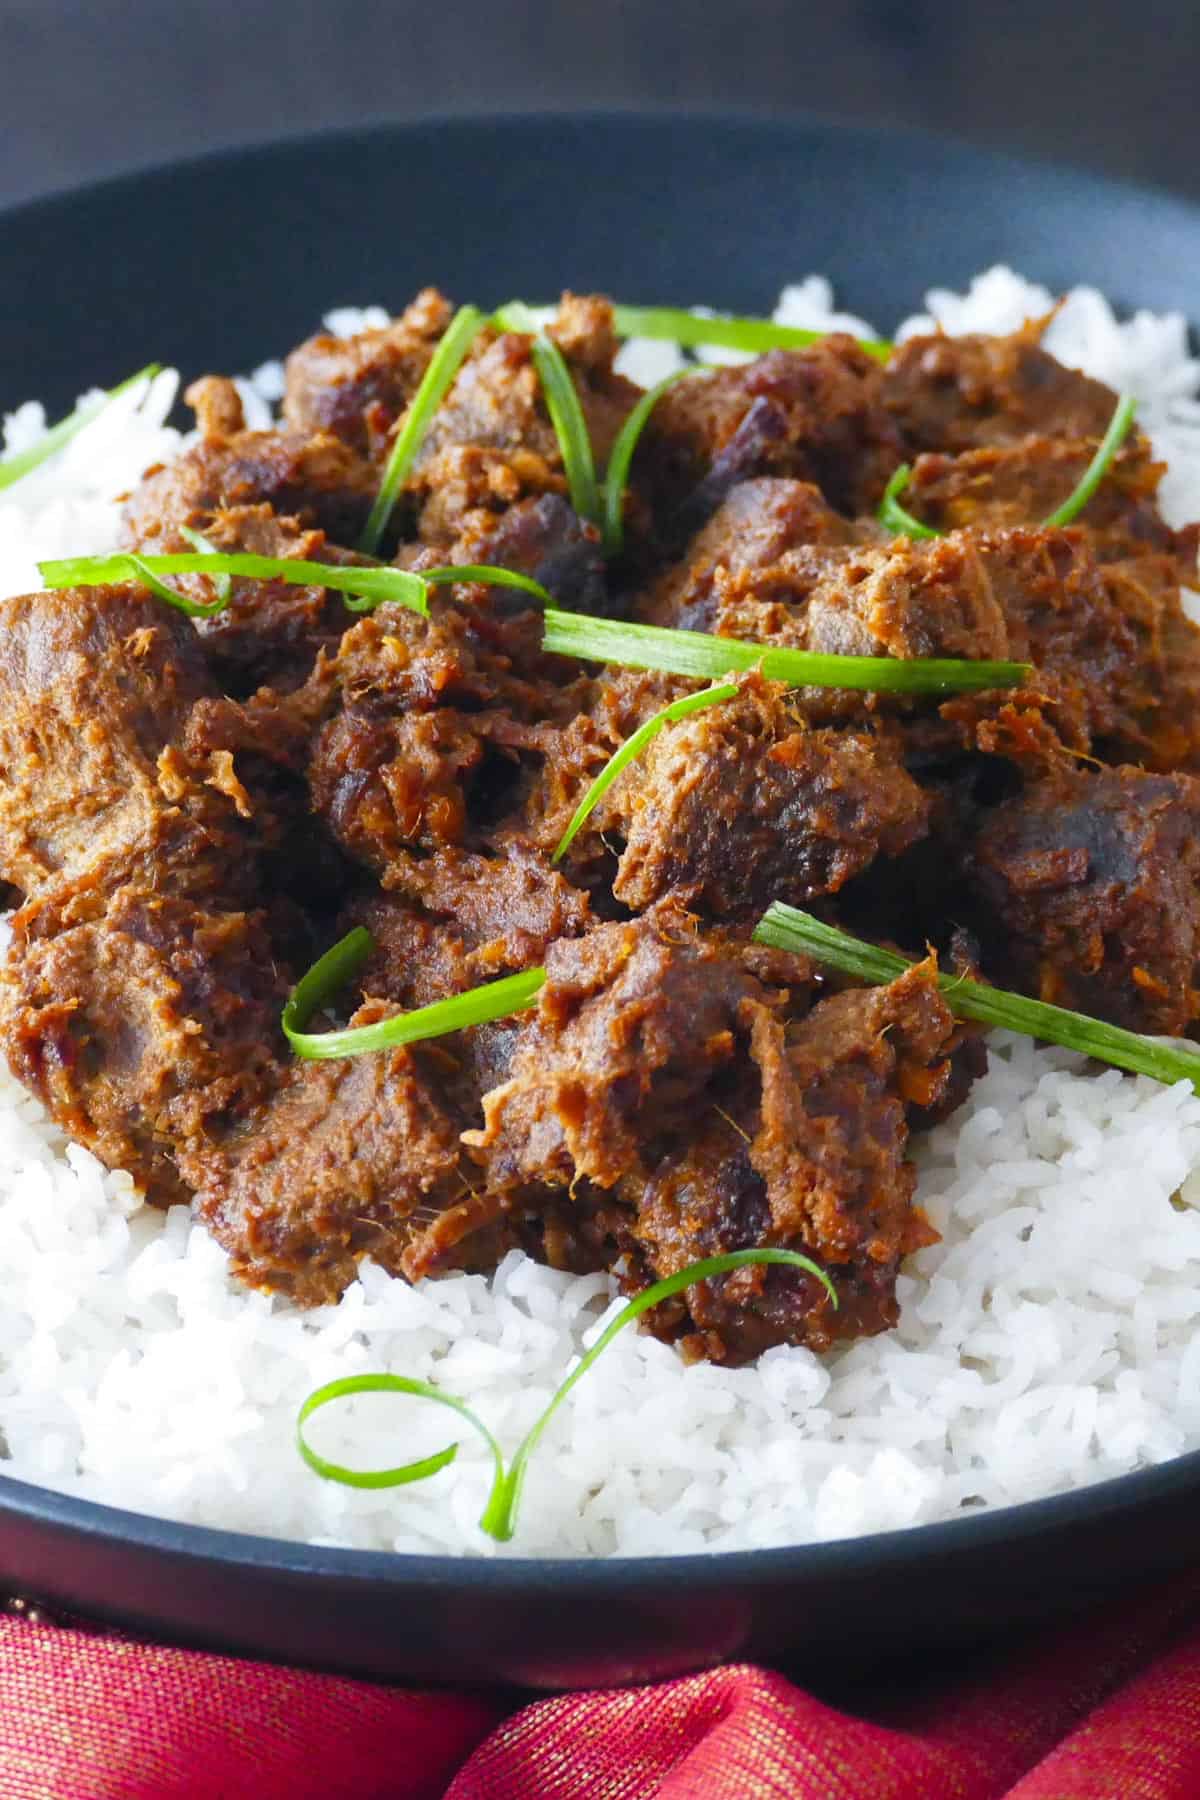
868	1555
779	123
871	1555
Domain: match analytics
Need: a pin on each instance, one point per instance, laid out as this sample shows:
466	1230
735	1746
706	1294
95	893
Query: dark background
87	89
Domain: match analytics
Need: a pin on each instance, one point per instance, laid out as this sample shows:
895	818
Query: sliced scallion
385	1478
786	928
373	584
894	516
499	1516
1097	469
195	609
570	426
616	477
709	658
486	573
494	1000
676	325
23	462
221	583
525	320
563	405
633	746
443	366
897	519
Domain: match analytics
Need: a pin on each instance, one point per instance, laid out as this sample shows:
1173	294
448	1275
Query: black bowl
220	263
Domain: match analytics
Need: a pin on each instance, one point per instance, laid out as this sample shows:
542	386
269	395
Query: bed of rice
1049	1340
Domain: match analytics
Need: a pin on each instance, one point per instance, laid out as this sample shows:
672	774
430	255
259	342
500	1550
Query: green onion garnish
221	583
786	928
1097	469
499	1516
617	476
494	1000
709	658
195	609
897	519
633	746
23	462
679	326
516	316
894	516
375	585
562	403
570	426
431	391
491	575
371	587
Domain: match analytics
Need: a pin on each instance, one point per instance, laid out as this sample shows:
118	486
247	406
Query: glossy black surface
217	264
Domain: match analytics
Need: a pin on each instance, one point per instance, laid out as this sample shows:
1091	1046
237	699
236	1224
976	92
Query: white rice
1049	1340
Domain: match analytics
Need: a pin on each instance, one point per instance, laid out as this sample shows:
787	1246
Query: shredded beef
192	810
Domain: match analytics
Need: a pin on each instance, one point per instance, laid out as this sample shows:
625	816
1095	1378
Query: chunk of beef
660	1069
960	393
767	534
492	440
630	1028
348	1158
271	631
141	995
1113	651
357	387
541	536
1095	632
814	414
389	783
1018	485
814	1161
96	685
217	405
146	1028
739	805
459	920
320	480
507	909
604	713
430	722
1088	887
468	653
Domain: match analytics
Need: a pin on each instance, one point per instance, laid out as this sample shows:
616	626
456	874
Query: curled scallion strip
373	584
406	1472
616	477
443	366
894	516
195	609
1097	469
24	462
499	1516
786	928
897	519
709	658
677	325
330	973
633	746
221	583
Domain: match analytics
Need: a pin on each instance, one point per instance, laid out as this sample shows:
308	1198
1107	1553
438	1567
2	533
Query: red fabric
1108	1707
